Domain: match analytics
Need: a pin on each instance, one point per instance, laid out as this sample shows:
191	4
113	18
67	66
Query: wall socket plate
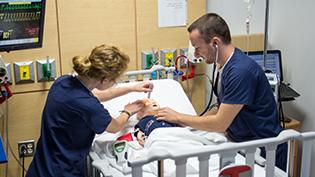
26	148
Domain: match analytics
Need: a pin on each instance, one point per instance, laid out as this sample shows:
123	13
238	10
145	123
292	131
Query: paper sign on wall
172	13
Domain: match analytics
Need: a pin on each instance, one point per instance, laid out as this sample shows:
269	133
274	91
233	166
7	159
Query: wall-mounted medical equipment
148	59
21	24
9	75
5	92
183	51
168	57
3	71
24	72
46	69
189	66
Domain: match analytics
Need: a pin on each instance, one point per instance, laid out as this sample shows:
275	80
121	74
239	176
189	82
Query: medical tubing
23	164
189	91
280	110
7	135
178	58
211	94
187	75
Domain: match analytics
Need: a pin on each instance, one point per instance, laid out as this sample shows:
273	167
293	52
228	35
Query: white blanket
177	138
161	140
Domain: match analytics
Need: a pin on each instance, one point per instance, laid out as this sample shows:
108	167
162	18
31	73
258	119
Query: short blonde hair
105	61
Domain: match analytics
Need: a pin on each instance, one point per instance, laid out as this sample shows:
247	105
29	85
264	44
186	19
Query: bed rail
227	149
308	138
146	74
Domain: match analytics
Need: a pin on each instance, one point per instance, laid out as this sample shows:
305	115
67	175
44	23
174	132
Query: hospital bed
199	159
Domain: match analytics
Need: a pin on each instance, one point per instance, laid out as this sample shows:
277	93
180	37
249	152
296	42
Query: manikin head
150	108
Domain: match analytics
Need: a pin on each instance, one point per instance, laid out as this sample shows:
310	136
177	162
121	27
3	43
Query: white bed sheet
167	92
163	140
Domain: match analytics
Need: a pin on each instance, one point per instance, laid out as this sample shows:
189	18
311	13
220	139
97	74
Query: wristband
128	113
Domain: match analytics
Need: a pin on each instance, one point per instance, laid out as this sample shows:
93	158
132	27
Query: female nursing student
73	113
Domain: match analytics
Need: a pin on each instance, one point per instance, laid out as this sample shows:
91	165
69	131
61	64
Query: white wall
291	29
234	13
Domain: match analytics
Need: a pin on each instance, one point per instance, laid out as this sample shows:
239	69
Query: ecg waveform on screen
22	6
20	16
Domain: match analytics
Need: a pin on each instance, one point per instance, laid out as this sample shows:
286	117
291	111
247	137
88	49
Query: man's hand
169	115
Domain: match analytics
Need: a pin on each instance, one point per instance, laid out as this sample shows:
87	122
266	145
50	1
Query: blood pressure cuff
149	123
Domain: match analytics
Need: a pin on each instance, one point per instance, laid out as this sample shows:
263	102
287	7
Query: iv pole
266	32
281	117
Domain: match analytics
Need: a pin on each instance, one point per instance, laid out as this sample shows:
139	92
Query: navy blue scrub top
71	118
244	82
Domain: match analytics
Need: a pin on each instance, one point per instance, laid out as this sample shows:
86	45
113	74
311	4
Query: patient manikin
147	121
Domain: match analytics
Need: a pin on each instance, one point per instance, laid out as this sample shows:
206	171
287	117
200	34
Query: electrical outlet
26	148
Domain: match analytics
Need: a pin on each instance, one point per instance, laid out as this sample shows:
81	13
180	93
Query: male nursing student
246	106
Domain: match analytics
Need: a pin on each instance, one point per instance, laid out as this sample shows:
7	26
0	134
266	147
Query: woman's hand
142	87
134	107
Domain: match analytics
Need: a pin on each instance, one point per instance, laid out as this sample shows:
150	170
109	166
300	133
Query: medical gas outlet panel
167	58
166	63
24	72
46	69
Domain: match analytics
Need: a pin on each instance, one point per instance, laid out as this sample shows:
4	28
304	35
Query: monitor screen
273	61
21	24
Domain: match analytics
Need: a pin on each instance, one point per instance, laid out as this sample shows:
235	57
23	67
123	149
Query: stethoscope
213	85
